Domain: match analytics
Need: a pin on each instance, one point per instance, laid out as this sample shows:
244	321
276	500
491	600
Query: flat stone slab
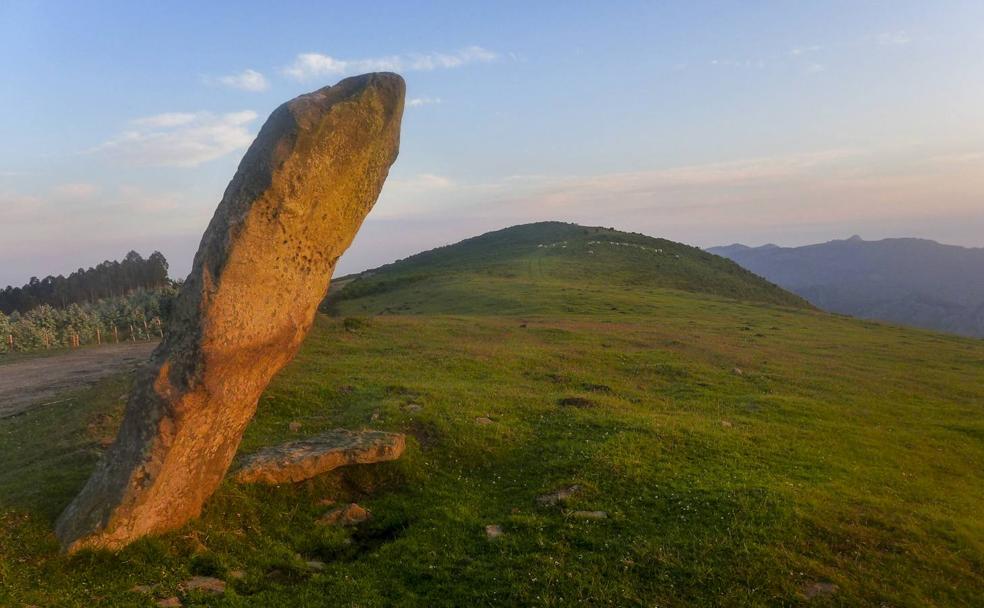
299	460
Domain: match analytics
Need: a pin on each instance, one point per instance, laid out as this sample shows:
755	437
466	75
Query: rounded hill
542	266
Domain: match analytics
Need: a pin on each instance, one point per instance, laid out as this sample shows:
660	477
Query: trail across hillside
36	381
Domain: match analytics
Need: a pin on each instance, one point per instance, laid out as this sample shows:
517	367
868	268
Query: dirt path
35	381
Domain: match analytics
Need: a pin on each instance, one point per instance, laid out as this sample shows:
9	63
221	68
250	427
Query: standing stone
263	266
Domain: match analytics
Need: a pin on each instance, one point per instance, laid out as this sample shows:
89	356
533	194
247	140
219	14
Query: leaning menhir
263	266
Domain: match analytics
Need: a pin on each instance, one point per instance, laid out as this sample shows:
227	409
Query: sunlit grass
741	453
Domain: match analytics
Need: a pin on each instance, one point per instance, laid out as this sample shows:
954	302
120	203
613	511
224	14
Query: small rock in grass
594	515
726	424
169	602
348	515
813	590
560	496
145	589
737	371
483	420
207	584
327	502
493	531
237	574
294	426
315	565
413	407
375	416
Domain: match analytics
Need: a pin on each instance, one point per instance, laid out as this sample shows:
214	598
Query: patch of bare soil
33	382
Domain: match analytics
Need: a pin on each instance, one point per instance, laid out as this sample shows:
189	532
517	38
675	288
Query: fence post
116	334
98	336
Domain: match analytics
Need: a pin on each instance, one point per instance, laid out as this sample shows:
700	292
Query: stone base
299	460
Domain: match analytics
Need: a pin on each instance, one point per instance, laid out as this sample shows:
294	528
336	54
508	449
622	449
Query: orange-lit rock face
263	266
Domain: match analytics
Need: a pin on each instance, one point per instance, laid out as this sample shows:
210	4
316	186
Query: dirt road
35	381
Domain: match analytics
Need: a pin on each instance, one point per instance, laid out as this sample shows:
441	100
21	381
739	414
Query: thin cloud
308	66
627	192
896	38
958	159
247	80
744	64
76	191
166	120
422	181
416	102
180	139
805	50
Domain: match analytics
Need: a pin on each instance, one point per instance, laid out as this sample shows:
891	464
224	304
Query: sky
703	122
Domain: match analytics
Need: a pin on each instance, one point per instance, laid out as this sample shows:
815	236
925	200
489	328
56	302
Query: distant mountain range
909	281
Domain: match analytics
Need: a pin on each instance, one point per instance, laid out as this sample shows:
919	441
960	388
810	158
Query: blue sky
708	123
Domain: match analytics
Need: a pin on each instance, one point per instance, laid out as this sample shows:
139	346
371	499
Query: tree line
140	315
108	280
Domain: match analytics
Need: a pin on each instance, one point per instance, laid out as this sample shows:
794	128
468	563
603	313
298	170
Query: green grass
503	271
742	452
845	452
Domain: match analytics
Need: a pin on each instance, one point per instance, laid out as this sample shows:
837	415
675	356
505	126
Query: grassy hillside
544	267
744	454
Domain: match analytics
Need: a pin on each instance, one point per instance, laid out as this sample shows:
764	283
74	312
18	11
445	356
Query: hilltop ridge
521	267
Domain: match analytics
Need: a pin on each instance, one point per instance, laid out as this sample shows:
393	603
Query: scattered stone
737	371
206	584
558	497
315	565
299	460
293	207
813	590
144	589
295	426
327	502
348	515
237	574
727	424
170	602
482	421
595	515
413	408
494	531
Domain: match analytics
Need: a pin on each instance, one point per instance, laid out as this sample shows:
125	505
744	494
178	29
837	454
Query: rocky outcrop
307	458
263	266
